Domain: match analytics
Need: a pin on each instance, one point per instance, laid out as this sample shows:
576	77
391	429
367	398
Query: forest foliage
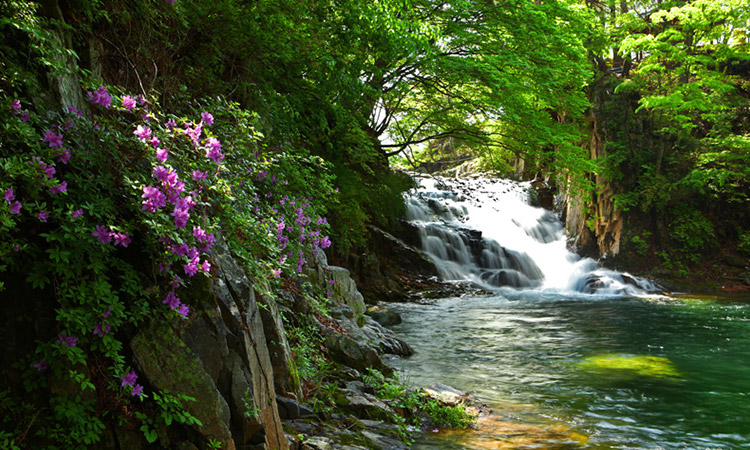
262	118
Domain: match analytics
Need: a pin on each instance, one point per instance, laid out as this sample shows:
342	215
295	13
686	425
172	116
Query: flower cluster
189	169
100	97
15	107
170	189
129	379
106	235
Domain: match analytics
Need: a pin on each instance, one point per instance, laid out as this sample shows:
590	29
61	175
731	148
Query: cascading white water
485	231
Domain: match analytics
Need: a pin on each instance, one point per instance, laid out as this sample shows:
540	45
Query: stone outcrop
237	297
169	364
221	358
385	268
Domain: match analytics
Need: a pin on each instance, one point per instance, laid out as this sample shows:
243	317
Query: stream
568	355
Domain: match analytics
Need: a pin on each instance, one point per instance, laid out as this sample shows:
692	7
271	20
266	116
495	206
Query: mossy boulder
168	363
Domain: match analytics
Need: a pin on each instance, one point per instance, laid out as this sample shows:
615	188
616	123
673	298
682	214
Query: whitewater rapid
485	231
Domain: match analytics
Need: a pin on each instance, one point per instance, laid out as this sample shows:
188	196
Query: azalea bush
107	217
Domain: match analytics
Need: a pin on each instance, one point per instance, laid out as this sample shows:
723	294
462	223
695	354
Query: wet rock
450	396
383	435
592	284
383	316
543	196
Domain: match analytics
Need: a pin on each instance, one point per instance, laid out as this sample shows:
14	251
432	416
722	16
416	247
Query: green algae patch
631	365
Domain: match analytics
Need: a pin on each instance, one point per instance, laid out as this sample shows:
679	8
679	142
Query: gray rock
384	316
377	337
130	439
318	443
384	441
208	341
344	289
286	378
245	426
241	310
169	364
305	411
352	353
288	408
366	406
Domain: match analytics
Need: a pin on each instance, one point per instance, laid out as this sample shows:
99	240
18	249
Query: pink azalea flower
100	97
101	329
161	154
77	213
138	390
54	140
62	187
41	365
183	310
172	300
128	102
143	133
121	239
69	341
191	269
63	155
198	175
155	199
213	150
103	234
15	106
25	116
43	216
207	118
15	208
171	124
129	379
276	273
9	195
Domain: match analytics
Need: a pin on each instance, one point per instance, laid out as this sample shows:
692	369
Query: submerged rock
631	366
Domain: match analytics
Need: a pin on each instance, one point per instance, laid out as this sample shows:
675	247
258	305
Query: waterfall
485	231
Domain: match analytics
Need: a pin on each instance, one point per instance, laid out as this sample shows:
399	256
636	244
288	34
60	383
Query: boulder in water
383	316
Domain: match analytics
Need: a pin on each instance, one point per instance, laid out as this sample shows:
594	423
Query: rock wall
221	358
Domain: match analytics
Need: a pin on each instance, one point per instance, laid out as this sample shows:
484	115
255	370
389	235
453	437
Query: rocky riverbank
244	361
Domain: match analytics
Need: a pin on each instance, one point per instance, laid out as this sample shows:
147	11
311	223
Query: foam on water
485	231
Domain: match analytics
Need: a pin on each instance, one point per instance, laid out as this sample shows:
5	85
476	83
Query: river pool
572	371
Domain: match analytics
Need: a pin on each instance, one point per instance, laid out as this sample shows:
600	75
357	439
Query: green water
587	372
